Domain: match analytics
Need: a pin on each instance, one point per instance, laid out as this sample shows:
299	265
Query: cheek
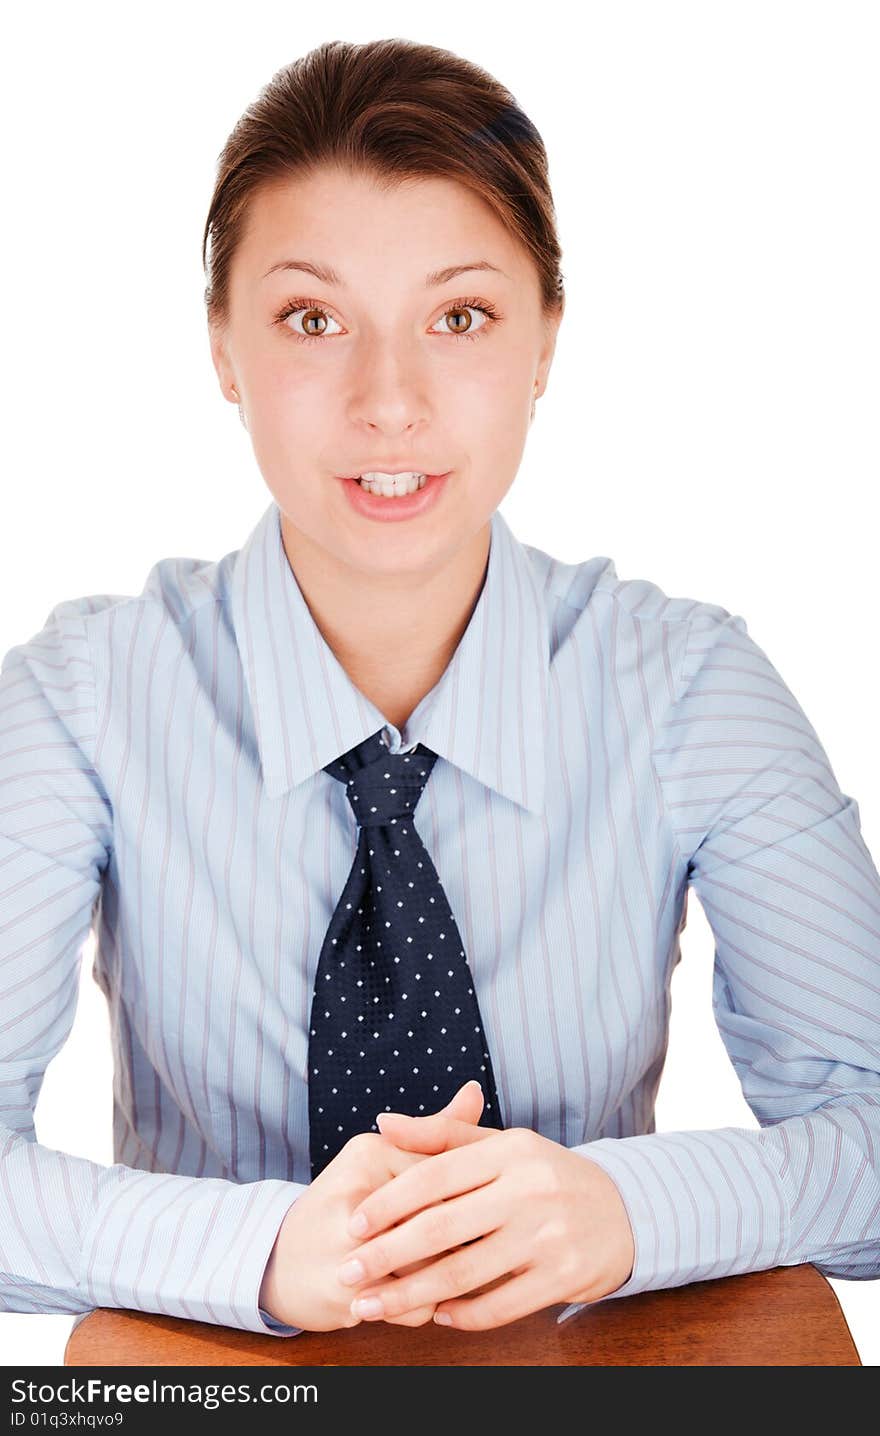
288	389
292	415
289	431
495	422
498	401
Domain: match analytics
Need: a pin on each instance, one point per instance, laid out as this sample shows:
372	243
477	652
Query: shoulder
91	628
589	602
595	581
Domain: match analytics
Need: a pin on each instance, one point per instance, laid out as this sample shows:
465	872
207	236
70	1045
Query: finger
439	1228
420	1317
399	1156
423	1314
447	1174
435	1133
467	1104
451	1276
395	1160
512	1300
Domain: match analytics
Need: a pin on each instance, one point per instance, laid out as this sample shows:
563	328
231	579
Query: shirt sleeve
774	851
75	1234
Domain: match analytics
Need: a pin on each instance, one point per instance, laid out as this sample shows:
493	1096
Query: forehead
355	224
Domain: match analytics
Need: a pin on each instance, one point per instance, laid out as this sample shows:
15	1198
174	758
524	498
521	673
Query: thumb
456	1123
431	1134
467	1104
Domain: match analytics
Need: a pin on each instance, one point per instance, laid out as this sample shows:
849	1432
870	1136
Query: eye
490	315
315	314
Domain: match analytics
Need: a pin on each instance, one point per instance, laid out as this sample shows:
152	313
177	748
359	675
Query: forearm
707	1204
75	1235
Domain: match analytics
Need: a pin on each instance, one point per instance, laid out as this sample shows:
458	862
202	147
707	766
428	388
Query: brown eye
458	319
313	317
459	314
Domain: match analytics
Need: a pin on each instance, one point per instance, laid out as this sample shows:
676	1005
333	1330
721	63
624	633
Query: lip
374	506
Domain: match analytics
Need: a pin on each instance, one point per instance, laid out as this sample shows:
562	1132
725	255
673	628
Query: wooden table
788	1316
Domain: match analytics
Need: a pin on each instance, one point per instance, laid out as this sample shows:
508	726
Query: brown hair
395	110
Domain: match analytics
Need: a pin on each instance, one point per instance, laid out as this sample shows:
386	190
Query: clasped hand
510	1209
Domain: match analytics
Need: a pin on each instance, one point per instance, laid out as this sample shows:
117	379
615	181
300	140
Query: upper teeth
391	484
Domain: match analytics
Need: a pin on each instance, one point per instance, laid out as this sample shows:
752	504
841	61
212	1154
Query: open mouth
405	495
393	488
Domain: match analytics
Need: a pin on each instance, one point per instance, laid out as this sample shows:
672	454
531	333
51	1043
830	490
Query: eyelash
293	305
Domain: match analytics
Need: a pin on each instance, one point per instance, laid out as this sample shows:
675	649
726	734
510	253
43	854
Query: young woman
386	821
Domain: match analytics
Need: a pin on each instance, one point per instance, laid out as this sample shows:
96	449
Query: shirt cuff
701	1205
194	1247
264	1251
278	1328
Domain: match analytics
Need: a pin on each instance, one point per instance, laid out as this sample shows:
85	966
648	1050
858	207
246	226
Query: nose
389	394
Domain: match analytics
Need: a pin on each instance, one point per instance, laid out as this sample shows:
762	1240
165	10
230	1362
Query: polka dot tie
395	1024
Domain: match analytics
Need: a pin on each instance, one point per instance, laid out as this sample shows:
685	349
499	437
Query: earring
240	409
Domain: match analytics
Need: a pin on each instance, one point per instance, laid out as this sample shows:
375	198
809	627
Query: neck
394	634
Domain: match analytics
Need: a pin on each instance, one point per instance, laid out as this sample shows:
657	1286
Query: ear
548	348
222	363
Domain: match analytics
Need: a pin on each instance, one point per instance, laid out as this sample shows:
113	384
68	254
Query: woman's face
383	367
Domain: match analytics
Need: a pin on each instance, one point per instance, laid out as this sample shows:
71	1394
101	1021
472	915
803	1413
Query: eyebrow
329	276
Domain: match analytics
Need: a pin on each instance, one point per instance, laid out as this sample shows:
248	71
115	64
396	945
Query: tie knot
382	787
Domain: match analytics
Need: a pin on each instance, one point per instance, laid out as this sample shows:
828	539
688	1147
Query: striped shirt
602	748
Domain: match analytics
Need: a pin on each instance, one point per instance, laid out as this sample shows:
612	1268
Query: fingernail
367	1306
443	1318
352	1271
389	1114
358	1225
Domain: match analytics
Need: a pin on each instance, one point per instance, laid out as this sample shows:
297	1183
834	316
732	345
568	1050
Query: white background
711	418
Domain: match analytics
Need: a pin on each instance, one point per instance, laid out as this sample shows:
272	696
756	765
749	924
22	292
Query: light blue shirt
602	746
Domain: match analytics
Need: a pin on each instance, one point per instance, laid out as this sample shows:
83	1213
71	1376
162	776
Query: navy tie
395	1024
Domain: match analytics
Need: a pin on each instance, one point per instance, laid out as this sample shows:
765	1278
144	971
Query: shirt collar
487	713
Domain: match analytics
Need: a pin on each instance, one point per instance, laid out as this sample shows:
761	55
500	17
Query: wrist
268	1294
